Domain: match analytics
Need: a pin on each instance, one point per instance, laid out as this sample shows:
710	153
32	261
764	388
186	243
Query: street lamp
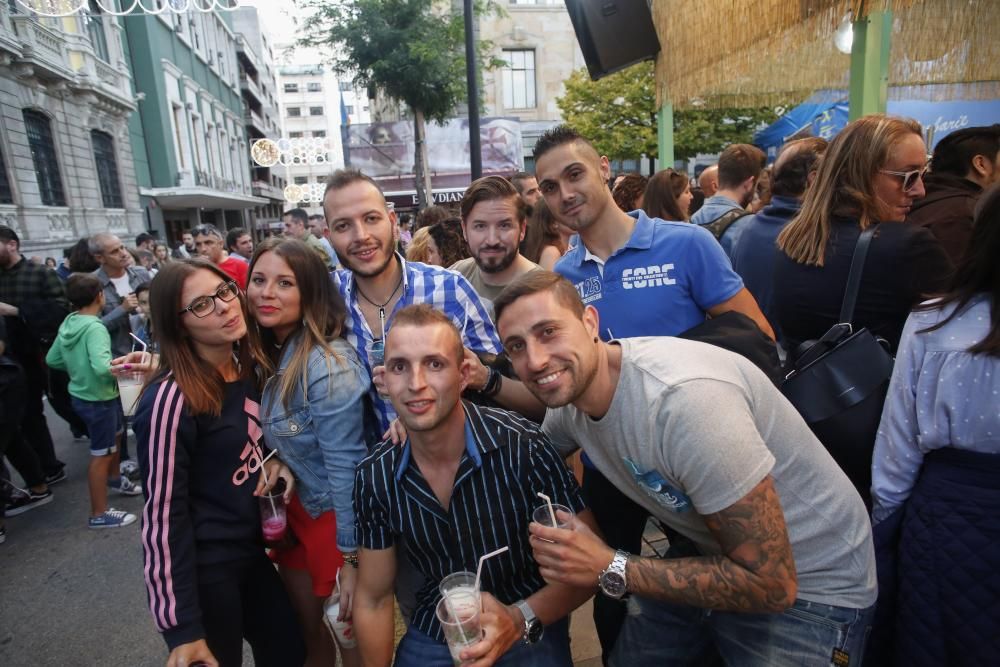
472	83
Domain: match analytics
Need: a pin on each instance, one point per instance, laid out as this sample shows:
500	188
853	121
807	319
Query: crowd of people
410	398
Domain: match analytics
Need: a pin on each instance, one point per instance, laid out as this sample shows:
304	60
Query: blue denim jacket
319	436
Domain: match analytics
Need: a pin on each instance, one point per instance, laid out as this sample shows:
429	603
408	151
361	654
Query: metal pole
870	64
472	81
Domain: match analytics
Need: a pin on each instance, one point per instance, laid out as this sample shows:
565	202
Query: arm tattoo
755	573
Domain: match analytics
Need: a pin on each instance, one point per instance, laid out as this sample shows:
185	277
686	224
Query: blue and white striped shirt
446	290
506	462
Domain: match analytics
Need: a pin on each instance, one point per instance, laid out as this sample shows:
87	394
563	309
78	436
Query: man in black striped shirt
463	485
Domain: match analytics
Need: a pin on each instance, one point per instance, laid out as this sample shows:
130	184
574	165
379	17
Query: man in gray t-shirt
703	440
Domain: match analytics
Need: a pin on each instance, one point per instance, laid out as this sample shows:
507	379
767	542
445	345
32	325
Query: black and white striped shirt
506	462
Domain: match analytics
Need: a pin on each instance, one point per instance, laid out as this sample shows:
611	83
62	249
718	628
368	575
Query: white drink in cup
458	613
129	388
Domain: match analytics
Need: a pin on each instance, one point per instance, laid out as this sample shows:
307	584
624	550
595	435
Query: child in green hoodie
83	349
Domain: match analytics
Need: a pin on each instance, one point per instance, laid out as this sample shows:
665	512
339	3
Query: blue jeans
659	633
419	650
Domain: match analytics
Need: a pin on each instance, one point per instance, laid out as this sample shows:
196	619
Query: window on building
107	169
314	87
319	133
301	180
293	112
519	79
43	153
315	111
345	86
294	135
6	194
349	109
291	87
95	30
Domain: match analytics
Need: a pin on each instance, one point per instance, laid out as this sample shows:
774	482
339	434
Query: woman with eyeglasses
869	177
198	428
313	414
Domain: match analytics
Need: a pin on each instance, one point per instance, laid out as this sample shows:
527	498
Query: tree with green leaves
618	113
410	50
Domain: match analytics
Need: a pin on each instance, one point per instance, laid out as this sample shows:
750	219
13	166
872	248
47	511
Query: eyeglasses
205	305
909	178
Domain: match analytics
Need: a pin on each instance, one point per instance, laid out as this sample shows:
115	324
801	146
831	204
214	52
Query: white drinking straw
264	473
552	512
145	351
491	554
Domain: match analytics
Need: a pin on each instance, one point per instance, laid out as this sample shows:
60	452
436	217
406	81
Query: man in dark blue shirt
463	485
755	236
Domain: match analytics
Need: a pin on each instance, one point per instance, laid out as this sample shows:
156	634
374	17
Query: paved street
70	595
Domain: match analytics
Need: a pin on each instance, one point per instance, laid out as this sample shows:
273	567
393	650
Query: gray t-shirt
470	270
693	428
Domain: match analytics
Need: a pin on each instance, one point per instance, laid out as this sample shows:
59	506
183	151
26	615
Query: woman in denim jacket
312	414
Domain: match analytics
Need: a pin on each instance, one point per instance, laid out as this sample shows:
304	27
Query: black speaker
613	34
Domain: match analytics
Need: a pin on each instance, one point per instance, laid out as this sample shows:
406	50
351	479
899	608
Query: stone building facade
66	163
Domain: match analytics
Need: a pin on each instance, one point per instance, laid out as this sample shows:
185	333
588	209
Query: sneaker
56	478
127	487
129	468
22	502
112	518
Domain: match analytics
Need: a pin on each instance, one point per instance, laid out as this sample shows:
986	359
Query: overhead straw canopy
744	53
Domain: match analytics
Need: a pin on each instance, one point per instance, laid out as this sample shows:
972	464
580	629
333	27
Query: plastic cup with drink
343	631
458	612
273	517
548	515
130	383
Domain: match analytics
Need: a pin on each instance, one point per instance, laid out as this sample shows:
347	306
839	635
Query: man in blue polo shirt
646	277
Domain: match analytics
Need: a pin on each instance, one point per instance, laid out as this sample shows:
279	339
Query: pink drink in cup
274	521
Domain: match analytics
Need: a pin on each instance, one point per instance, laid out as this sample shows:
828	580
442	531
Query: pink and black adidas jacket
199	475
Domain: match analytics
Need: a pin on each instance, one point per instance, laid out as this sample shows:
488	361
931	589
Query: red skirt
316	551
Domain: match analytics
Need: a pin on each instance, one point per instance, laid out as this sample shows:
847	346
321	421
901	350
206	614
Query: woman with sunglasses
209	582
313	415
869	177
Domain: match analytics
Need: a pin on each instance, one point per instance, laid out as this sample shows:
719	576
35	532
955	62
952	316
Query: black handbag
839	384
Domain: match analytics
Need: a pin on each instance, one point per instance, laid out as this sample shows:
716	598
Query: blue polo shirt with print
660	283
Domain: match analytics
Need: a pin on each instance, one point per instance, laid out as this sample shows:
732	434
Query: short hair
7	235
341	178
738	163
298	215
82	289
953	154
628	189
142	287
797	159
207	230
95	245
491	188
143	237
234	235
535	282
423	315
555	137
518	177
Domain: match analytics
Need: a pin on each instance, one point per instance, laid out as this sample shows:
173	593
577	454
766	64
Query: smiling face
892	200
552	350
494	234
573	180
273	295
223	326
362	231
424	375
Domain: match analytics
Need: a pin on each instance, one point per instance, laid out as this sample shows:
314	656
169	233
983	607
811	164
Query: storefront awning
201	197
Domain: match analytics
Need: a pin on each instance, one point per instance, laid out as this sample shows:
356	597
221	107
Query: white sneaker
128	488
128	468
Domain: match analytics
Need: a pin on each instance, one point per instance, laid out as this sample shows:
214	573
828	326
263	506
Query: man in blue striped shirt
376	282
464	484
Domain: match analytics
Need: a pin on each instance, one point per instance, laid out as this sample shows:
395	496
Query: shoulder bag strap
854	278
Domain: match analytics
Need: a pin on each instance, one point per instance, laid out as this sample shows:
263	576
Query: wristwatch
612	580
532	626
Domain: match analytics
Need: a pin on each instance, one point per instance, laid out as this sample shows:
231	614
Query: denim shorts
808	633
104	420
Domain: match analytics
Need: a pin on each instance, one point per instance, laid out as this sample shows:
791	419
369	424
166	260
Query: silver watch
532	626
612	580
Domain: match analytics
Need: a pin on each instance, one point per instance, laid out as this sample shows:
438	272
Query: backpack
719	226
